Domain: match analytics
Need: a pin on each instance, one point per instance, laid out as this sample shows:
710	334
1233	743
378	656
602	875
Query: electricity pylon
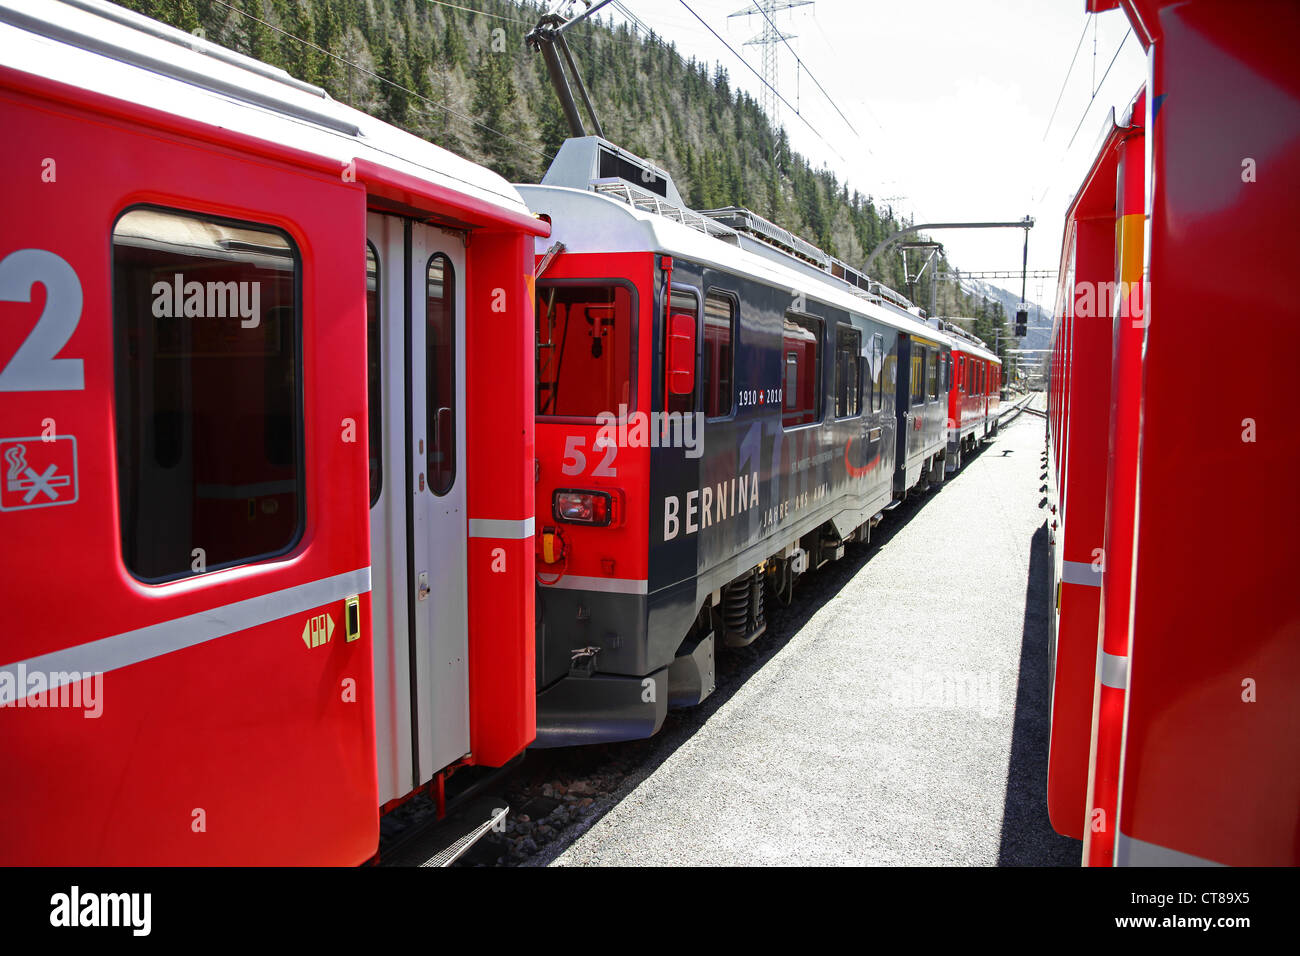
769	40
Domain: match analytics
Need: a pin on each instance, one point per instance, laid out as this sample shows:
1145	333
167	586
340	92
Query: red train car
721	408
973	401
266	425
1176	652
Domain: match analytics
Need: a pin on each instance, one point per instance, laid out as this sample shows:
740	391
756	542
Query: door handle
442	437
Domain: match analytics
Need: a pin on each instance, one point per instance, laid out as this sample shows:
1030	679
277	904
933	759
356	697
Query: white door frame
421	640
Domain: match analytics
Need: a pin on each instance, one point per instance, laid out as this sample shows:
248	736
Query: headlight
583	507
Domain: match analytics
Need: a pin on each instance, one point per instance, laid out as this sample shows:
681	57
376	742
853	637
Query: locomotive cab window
848	358
800	341
584	349
934	374
718	370
206	326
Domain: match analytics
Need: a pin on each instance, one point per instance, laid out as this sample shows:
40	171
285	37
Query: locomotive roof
587	221
970	348
100	47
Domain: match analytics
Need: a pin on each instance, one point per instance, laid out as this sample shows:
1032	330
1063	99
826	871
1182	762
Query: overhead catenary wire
1065	82
481	13
528	23
762	79
1092	99
1050	185
804	66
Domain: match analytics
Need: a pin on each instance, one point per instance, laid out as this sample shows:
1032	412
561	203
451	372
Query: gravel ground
873	724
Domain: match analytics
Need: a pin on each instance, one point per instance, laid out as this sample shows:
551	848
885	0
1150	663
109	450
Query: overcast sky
955	123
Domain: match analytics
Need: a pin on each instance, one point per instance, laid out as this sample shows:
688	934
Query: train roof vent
886	294
950	325
742	220
649	202
773	239
860	281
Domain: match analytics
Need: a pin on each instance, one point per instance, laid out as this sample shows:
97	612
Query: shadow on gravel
599	776
1027	835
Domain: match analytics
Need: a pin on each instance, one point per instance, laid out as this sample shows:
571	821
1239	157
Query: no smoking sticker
37	472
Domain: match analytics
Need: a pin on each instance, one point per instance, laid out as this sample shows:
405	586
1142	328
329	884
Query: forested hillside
467	81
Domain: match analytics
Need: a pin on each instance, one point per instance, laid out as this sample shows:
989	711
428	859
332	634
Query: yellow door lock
352	618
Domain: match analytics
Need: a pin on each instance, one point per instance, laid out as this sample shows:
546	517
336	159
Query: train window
374	413
683	301
848	359
917	381
961	373
440	373
877	372
933	378
719	356
208	381
584	349
800	340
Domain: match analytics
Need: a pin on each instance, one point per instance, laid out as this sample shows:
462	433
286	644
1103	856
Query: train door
984	395
920	384
418	505
904	390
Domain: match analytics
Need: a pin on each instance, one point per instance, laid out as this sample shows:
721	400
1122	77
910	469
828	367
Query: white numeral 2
34	367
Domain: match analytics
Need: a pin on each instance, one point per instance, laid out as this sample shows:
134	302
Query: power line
610	32
801	63
751	69
767	41
384	79
481	13
636	21
1127	34
1077	48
